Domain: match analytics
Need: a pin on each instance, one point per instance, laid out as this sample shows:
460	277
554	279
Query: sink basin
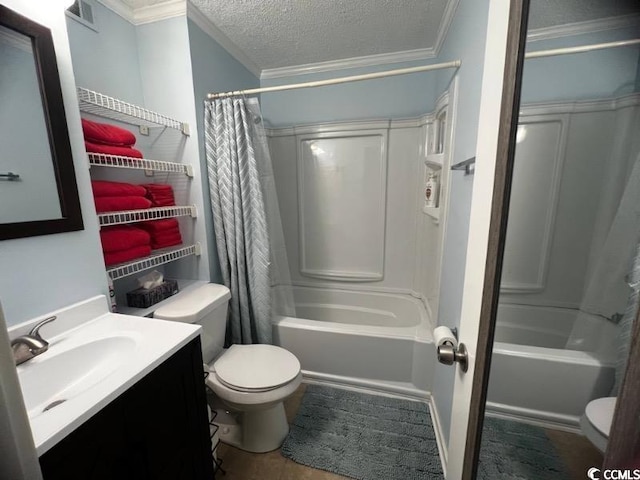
61	373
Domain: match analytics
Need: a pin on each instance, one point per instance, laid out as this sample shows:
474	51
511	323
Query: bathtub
367	339
534	377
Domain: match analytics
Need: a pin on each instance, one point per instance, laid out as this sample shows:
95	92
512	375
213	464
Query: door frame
503	174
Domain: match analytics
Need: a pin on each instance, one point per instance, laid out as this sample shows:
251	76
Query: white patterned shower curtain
246	219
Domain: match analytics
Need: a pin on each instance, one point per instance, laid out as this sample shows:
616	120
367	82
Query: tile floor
576	451
241	465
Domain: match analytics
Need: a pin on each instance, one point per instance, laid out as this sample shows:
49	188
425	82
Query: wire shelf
160	257
156	213
117	161
105	106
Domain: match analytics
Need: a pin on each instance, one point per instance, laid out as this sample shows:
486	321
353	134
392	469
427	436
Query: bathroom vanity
117	397
157	429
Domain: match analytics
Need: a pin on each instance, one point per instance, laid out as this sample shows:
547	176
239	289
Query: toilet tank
206	306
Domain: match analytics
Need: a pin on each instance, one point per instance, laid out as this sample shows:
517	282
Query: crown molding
581	28
161	11
148	14
445	24
347	63
219	36
371	60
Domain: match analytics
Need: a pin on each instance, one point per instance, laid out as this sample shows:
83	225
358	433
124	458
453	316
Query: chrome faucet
25	347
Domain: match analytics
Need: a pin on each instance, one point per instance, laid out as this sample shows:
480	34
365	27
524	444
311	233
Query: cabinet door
157	429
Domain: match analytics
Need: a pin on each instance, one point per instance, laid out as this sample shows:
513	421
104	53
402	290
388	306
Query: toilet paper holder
448	354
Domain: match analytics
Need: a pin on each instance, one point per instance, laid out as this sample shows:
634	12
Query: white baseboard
440	437
538	418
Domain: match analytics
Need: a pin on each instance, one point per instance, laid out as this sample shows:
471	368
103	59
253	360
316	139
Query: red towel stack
122	243
114	196
109	139
161	195
164	233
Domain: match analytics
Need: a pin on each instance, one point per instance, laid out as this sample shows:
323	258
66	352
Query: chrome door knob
448	355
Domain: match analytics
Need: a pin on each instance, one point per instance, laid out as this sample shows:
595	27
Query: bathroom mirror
38	191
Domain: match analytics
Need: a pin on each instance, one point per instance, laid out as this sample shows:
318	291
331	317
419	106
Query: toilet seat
596	421
256	368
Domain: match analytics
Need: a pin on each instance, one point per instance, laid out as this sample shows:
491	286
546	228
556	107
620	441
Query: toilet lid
600	413
256	367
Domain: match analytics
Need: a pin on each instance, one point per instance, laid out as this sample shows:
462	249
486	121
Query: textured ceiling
281	33
548	13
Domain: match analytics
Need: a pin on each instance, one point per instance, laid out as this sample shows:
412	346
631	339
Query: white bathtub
375	340
533	376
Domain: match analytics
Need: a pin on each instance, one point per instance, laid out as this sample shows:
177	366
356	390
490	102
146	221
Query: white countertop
130	347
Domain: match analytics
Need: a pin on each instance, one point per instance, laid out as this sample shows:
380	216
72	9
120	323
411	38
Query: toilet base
256	431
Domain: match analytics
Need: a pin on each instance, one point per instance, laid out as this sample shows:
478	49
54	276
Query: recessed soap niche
436	160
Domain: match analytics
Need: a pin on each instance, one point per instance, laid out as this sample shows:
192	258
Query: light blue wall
41	274
392	97
465	41
106	60
214	70
584	76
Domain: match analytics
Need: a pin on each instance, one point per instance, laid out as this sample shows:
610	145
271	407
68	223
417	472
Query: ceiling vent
82	11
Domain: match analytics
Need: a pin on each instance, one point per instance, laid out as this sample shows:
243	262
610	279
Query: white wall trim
583	106
346	63
225	42
160	11
539	418
581	28
440	437
371	60
445	24
374	124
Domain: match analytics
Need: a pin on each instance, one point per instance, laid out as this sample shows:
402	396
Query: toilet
251	381
596	421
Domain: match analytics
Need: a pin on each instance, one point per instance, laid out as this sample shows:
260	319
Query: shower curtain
608	288
246	219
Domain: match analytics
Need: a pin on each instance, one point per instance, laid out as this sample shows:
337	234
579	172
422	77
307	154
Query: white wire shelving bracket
105	106
156	213
103	160
160	257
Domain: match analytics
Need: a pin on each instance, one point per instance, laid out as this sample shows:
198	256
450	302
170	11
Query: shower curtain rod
334	81
581	49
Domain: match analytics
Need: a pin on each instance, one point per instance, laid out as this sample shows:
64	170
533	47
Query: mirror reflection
28	188
569	286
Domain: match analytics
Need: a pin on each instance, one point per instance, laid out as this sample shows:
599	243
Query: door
487	238
500	85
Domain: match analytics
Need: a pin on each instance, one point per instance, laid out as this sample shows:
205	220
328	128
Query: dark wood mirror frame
56	122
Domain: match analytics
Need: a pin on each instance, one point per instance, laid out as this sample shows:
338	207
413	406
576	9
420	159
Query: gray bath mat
366	437
518	452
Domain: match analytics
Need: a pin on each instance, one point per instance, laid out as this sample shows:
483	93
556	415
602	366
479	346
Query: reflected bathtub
533	375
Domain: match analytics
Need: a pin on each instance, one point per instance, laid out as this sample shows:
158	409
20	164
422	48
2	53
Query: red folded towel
107	134
116	189
161	195
158	226
114	204
112	258
112	150
123	237
166	241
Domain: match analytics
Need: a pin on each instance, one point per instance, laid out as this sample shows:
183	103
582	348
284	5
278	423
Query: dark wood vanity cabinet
157	429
